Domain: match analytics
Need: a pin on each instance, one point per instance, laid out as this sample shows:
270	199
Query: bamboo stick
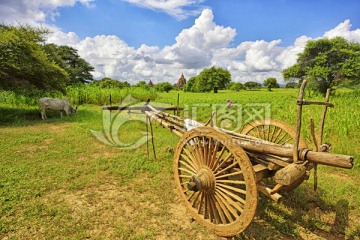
310	102
164	124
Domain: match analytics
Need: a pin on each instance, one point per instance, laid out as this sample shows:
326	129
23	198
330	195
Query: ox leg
60	114
43	114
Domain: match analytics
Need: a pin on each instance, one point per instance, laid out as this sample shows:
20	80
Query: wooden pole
152	139
177	105
299	118
322	121
147	136
110	106
312	132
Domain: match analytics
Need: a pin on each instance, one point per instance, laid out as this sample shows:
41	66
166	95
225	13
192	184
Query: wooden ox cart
219	173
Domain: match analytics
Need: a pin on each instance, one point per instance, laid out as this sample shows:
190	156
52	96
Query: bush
236	86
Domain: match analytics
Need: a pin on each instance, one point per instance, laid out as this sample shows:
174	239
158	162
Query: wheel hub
204	180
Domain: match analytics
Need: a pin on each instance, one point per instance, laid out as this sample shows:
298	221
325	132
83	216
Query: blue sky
253	20
133	40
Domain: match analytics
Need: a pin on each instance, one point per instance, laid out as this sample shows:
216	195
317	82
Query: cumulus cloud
180	9
34	12
202	45
343	30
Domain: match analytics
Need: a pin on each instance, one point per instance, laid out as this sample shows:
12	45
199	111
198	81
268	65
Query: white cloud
180	9
288	56
343	30
34	12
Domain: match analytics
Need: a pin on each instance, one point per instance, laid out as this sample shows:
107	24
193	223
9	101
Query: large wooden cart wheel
215	179
278	132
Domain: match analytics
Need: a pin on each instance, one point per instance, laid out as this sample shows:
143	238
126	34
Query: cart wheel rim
274	131
215	179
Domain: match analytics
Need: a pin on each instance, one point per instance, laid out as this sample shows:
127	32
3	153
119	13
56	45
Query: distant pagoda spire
150	83
181	82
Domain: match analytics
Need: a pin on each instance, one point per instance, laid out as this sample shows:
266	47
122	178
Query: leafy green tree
190	85
110	83
141	84
327	63
271	83
252	85
163	87
24	65
291	85
68	58
236	86
210	79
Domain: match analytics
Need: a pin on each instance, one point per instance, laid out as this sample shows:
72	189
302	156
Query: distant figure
229	103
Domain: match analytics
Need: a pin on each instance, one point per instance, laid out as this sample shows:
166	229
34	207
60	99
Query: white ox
62	105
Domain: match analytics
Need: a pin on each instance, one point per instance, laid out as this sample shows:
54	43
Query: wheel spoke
231	181
272	133
201	201
215	208
206	150
185	176
187	164
277	135
220	210
227	168
213	156
191	195
238	190
287	140
187	170
222	163
229	175
226	208
206	208
198	152
229	203
282	137
230	194
192	157
196	199
227	195
219	157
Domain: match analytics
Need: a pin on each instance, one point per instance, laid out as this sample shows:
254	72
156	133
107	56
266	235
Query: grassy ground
58	181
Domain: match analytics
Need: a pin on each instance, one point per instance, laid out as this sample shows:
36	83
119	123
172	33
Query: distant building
181	82
150	84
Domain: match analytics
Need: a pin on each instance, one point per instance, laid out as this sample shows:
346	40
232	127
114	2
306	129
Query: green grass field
58	181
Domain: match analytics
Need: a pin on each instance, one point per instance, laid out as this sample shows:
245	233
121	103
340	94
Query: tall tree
163	87
24	65
68	58
210	79
271	83
327	63
252	85
236	86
